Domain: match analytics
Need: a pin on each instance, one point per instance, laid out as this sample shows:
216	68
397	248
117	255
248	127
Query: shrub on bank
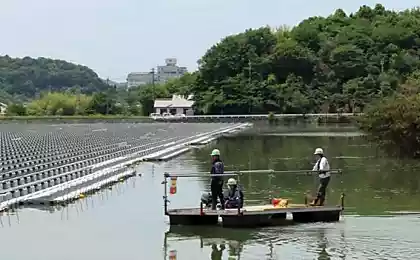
271	118
394	123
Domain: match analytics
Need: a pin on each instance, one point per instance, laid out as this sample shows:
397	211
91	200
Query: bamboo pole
199	174
236	173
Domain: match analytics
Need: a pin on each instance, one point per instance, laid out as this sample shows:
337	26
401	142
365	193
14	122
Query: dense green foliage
56	87
338	63
70	104
24	79
134	101
335	63
394	122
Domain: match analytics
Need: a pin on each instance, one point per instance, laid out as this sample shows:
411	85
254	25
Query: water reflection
9	217
73	209
311	241
218	240
322	245
217	253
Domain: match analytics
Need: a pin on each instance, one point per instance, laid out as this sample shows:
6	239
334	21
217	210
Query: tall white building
170	70
161	74
135	79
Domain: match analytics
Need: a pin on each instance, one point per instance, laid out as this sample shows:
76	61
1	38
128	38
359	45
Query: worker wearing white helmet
231	183
216	185
235	197
322	167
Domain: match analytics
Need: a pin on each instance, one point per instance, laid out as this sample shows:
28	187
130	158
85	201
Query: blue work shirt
217	168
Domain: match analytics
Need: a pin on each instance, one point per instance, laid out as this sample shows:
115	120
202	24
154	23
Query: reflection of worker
216	254
322	245
235	248
235	197
216	181
322	167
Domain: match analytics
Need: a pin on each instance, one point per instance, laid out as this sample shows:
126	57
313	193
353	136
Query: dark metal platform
253	216
249	216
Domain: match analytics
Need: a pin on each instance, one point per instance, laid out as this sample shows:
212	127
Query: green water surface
127	221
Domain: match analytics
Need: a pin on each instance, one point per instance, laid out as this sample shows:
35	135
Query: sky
115	37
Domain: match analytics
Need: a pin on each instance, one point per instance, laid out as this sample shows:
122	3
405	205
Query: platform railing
192	175
174	177
272	171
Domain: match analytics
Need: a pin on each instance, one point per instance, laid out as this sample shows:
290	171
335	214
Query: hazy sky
115	37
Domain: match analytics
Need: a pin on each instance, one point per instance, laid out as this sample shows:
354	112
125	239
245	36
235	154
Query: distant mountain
24	79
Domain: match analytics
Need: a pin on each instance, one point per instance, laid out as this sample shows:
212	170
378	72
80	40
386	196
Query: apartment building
135	79
169	70
162	74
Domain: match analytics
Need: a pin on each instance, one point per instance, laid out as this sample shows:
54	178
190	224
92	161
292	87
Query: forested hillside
23	79
337	63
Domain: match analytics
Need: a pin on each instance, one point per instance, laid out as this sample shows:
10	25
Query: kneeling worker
322	167
235	197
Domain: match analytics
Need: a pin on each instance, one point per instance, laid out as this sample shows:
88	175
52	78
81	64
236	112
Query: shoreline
271	118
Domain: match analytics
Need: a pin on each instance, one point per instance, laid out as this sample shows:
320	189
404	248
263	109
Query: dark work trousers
322	190
216	187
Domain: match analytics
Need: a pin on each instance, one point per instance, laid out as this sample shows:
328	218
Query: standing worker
323	168
216	185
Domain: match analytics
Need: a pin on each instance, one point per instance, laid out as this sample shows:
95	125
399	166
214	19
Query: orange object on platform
172	189
279	202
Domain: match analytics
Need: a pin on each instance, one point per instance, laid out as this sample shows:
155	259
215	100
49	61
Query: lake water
127	221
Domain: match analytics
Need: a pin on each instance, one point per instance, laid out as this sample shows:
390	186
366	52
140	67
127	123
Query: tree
22	79
394	122
54	103
100	104
147	95
16	110
340	62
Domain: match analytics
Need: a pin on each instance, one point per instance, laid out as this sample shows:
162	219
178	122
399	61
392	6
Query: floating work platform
254	216
248	216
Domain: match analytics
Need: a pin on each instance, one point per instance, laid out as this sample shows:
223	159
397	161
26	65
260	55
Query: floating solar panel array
38	157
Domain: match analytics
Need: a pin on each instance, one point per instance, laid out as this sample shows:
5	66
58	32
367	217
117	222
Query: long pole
200	174
249	83
165	195
236	173
153	88
153	82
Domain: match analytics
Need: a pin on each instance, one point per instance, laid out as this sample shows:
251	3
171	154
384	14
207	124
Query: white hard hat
231	181
215	152
319	151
